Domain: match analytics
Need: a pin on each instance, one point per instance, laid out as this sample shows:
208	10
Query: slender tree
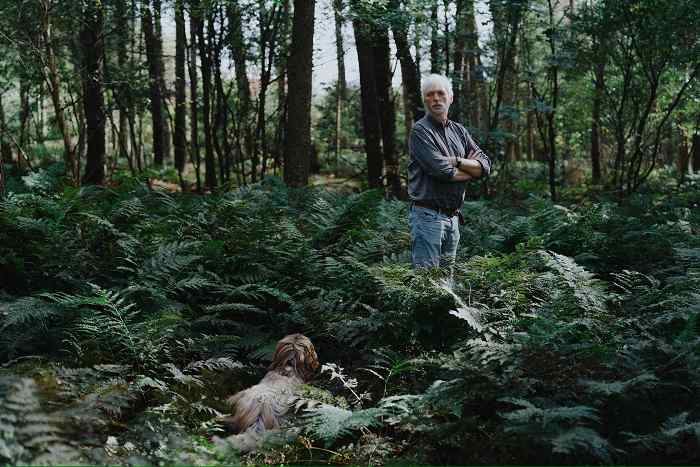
180	86
194	118
371	122
435	62
239	52
341	91
54	83
122	89
92	42
5	147
387	112
210	179
164	91
409	69
156	98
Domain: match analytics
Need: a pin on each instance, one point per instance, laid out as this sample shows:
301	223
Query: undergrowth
570	334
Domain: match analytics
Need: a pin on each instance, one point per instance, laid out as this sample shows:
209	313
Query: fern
27	434
672	436
581	439
587	292
618	388
330	423
561	428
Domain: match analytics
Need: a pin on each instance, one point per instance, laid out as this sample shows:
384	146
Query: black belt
445	211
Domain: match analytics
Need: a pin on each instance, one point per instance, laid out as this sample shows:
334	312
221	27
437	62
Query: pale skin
437	102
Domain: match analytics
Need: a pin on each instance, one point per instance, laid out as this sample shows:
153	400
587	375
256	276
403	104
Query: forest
181	187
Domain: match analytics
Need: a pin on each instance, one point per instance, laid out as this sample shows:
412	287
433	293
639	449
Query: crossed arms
437	164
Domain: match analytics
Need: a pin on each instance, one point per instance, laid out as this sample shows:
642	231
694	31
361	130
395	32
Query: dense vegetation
173	202
570	334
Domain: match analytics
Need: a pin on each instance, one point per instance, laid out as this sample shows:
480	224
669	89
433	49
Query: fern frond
330	423
581	439
214	364
604	388
28	434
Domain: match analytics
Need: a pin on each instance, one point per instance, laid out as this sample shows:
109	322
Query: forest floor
570	333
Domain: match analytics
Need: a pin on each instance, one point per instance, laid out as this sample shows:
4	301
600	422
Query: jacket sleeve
428	155
475	152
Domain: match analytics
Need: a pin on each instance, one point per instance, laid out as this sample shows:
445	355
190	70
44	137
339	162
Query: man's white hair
435	80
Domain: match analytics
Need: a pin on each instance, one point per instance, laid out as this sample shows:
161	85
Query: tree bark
695	151
446	36
180	85
434	39
460	68
371	123
473	78
281	66
156	98
341	87
121	93
595	120
92	41
164	91
5	147
297	152
194	119
55	91
24	114
210	164
387	113
409	69
239	51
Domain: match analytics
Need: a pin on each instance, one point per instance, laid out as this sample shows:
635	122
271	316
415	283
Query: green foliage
329	423
568	333
28	434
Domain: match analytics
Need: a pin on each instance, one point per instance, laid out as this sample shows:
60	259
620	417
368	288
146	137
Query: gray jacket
432	148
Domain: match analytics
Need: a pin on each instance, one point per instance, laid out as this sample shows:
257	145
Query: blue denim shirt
432	148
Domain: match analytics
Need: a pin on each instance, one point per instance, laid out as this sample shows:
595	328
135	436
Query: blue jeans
434	238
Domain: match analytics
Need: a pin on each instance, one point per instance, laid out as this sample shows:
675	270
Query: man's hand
470	166
461	176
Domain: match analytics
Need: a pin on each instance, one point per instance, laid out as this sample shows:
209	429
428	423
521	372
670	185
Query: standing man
443	157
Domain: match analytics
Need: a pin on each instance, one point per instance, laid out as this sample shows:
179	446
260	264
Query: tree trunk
506	26
387	113
409	70
695	152
281	66
180	86
24	113
473	79
371	124
434	39
446	36
55	91
5	147
194	119
554	82
134	117
219	96
297	152
595	121
122	89
92	42
460	68
341	88
164	92
209	162
156	98
683	152
239	51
